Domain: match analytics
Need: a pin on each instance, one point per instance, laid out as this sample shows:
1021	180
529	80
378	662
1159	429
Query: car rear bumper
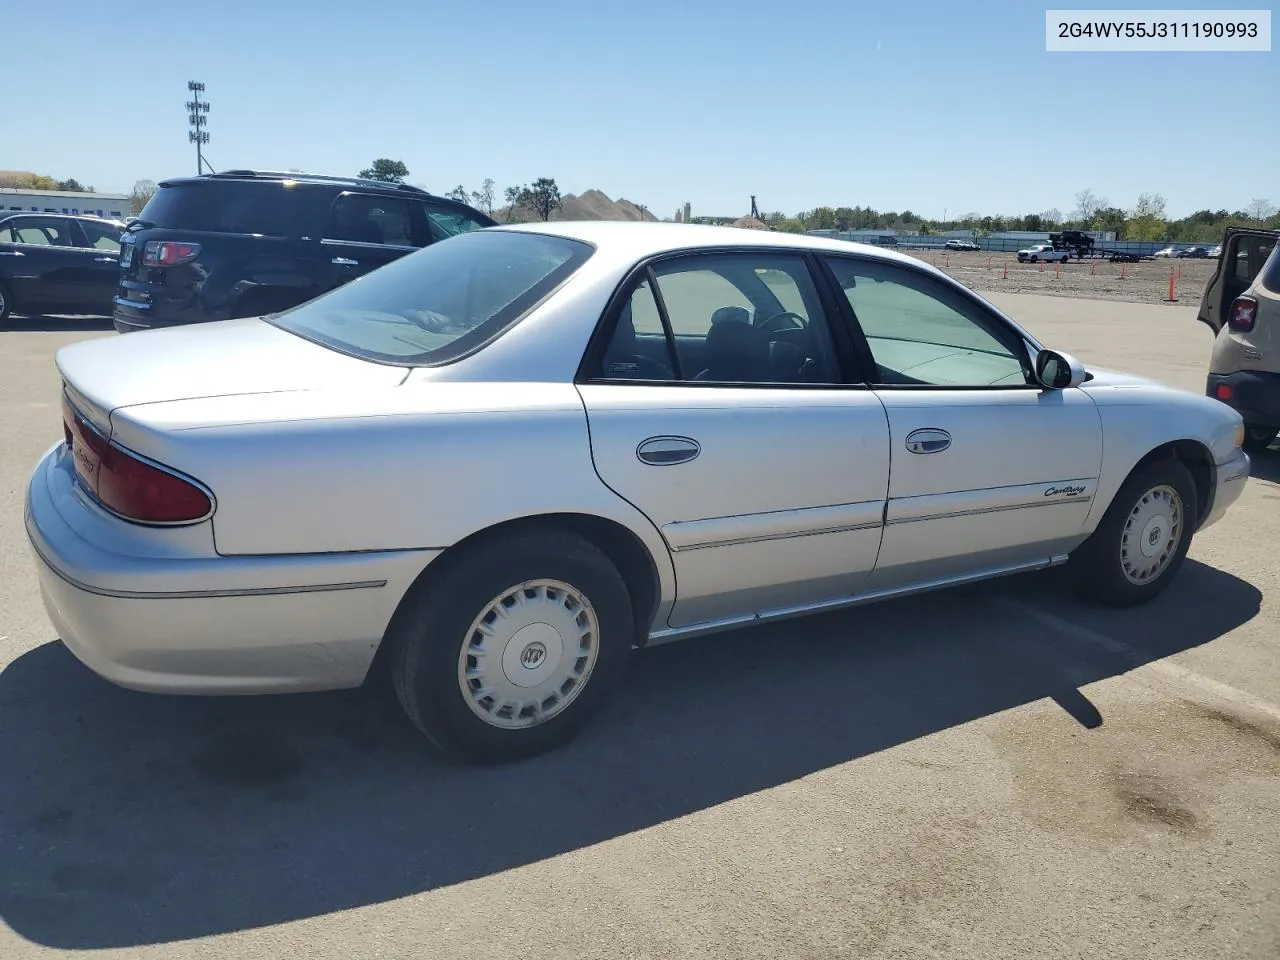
178	618
1228	483
1255	395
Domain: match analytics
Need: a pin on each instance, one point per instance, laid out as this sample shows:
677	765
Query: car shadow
1265	465
55	323
130	819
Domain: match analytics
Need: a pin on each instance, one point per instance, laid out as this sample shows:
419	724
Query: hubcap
1151	534
528	654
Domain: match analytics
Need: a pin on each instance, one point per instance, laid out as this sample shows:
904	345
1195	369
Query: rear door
1244	251
365	231
46	269
718	405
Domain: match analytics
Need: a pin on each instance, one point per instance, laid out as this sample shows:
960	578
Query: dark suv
248	242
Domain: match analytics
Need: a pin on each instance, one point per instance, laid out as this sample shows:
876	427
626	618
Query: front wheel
1258	438
1142	539
514	647
6	302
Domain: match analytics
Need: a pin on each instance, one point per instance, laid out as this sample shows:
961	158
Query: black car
1196	253
54	263
243	243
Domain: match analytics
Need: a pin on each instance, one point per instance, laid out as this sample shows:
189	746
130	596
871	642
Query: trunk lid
228	358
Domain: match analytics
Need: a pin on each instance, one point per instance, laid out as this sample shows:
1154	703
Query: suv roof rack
320	177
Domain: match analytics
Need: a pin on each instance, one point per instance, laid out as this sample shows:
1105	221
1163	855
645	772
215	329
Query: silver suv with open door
1241	304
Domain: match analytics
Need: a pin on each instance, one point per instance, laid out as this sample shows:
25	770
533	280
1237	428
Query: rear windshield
231	206
439	303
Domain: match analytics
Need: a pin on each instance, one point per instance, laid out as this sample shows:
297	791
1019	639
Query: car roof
640	239
10	214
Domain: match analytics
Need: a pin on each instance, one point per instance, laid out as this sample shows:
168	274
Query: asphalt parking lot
1000	771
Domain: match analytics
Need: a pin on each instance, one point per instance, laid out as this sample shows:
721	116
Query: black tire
6	302
1097	565
1257	439
428	634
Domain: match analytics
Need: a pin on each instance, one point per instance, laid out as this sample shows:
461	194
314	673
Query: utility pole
196	119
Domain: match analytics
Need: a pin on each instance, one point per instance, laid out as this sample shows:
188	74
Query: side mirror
1058	371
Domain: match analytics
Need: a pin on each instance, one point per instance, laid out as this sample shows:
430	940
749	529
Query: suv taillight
166	253
1244	312
127	485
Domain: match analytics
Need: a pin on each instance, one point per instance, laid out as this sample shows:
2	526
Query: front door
364	232
102	243
989	470
720	409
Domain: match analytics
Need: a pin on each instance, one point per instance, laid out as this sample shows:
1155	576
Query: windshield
442	302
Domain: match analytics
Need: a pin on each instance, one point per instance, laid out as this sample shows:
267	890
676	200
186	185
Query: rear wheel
1258	438
1142	540
513	649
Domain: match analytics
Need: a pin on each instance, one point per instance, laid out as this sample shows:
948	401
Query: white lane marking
1138	659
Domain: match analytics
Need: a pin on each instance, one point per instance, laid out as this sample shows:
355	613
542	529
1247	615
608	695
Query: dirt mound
750	223
590	205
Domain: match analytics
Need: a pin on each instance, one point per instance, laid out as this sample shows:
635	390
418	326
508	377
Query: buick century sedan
510	459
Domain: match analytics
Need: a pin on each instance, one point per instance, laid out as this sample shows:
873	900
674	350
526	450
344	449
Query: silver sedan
515	456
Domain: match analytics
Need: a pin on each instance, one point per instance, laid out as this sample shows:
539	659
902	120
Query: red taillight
1244	311
165	253
1223	391
131	487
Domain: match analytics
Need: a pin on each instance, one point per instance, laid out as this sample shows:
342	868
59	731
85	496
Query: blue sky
932	106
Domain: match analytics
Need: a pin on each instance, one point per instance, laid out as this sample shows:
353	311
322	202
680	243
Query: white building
114	206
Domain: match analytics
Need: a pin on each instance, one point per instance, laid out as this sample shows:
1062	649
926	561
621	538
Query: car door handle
345	262
666	451
928	440
104	260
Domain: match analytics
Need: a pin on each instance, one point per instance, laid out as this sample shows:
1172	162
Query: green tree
1147	220
72	185
482	199
542	196
143	190
514	197
388	171
458	193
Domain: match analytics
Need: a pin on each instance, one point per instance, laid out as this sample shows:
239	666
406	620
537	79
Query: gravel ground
981	774
1144	282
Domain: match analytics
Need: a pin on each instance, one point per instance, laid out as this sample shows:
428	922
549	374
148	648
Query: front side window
364	218
922	333
439	303
101	236
447	221
724	318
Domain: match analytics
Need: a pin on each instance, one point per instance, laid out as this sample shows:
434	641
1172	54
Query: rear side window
232	206
1271	270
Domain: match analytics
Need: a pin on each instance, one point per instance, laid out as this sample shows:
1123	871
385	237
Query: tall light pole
196	119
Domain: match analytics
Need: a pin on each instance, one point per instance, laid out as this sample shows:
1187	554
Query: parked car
244	242
55	263
1215	251
1241	304
961	245
1196	253
1168	252
510	458
1043	251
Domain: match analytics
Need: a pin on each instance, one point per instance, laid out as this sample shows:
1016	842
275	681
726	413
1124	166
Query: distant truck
1043	251
1082	246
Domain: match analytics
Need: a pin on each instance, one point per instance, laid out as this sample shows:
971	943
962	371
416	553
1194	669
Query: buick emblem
531	657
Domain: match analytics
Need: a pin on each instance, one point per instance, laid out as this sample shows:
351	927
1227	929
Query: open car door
1244	251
